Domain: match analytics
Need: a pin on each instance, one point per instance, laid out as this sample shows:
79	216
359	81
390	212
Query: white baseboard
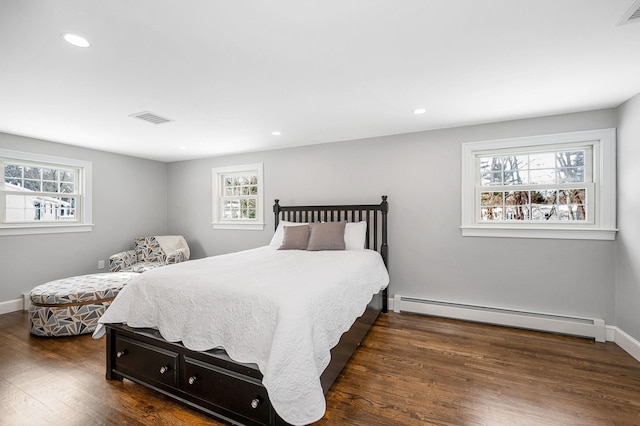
626	342
611	333
11	306
550	322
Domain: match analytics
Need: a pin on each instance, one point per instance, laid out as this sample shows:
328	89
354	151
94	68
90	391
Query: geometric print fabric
146	255
72	306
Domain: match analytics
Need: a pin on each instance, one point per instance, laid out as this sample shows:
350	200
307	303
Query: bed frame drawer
238	393
145	362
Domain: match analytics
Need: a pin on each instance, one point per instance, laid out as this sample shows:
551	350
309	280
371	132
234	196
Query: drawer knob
164	369
255	402
121	353
192	380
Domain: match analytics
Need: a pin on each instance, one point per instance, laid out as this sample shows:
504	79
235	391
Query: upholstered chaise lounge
72	306
150	253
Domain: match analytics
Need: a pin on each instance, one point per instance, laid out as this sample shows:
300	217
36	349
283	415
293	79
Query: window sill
44	229
253	226
539	232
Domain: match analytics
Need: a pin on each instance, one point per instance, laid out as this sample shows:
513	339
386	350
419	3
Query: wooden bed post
384	249
276	212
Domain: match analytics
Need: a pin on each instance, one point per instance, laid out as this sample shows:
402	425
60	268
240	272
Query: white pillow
278	236
355	234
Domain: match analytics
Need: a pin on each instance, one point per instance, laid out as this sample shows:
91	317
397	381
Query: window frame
83	195
603	149
218	174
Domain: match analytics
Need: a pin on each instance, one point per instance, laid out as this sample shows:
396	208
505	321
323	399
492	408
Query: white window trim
84	225
603	142
253	225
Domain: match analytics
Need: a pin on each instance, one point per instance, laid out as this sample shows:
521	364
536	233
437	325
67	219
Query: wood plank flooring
410	370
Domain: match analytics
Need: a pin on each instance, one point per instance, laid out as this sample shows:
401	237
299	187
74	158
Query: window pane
67	176
491	213
32	172
516	177
49	187
516	198
33	185
16	182
541	212
516	162
491	199
49	174
542	177
570	158
491	163
12	170
543	197
517	212
15	208
542	160
570	174
67	188
491	178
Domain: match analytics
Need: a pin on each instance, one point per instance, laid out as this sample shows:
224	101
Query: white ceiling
231	72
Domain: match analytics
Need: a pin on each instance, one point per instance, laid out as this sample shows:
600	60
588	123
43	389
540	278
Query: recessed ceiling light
276	133
182	148
76	40
419	111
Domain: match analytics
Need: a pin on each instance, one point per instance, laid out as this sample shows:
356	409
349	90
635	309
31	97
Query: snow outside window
238	197
44	194
552	186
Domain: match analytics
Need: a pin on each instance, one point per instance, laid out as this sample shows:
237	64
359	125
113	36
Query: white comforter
280	309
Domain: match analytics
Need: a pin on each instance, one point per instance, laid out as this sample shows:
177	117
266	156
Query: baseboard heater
575	326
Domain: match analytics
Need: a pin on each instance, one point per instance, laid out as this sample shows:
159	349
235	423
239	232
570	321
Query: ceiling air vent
151	117
631	15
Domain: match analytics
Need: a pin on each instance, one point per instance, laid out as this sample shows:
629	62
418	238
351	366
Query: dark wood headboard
374	214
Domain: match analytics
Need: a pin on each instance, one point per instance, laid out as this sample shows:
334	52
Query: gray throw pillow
326	236
295	238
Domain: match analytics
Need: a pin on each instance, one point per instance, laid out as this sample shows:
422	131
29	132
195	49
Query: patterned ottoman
72	306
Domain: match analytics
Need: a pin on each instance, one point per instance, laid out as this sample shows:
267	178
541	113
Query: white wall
129	199
628	248
420	173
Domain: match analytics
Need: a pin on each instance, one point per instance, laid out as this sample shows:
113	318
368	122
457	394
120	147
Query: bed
289	347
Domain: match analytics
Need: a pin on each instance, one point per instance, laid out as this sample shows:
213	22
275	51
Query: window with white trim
238	197
44	194
551	186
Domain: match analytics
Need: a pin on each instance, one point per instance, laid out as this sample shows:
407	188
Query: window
238	197
43	194
553	186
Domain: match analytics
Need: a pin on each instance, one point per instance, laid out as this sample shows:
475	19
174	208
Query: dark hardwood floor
410	370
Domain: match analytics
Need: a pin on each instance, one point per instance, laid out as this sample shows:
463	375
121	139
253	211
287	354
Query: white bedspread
280	309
